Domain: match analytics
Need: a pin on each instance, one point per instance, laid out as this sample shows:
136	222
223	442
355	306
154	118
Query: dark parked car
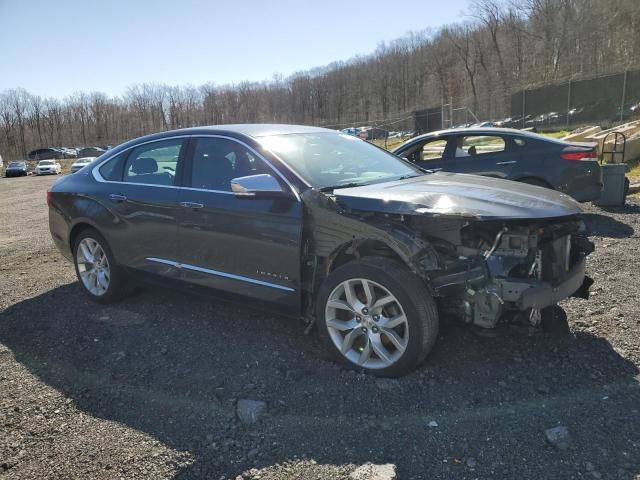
16	169
47	154
372	133
569	167
328	228
91	152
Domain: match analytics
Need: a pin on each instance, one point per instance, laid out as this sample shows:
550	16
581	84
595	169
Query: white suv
48	167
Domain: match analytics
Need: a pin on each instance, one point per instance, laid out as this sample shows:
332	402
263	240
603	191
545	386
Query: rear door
140	187
244	245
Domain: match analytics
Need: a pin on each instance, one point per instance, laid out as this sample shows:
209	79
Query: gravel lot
149	388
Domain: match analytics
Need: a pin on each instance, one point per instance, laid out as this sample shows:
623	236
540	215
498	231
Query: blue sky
57	47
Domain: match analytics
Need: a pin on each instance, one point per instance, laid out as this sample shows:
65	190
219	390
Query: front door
244	245
488	155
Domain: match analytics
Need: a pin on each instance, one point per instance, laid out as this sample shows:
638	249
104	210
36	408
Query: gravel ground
149	388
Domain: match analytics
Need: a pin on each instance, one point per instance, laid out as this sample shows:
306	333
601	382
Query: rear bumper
582	180
548	294
59	229
586	193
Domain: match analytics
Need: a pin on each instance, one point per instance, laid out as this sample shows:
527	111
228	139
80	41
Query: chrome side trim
219	274
96	173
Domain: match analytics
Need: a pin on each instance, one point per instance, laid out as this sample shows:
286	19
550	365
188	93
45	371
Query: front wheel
376	315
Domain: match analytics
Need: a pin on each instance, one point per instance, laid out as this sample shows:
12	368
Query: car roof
257	129
248	129
482	131
254	130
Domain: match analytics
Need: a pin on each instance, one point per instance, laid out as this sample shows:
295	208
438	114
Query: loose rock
249	411
558	437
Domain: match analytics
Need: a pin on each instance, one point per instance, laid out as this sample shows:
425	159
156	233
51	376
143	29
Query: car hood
459	195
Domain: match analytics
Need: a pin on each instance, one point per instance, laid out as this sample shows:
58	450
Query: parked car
569	167
91	152
16	169
353	131
69	152
372	133
81	163
48	167
326	227
47	153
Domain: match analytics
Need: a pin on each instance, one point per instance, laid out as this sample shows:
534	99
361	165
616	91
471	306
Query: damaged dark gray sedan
327	227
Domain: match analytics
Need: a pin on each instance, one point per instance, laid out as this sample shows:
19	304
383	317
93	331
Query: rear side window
477	145
154	164
112	169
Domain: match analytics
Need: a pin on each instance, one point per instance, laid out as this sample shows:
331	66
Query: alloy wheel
93	266
367	323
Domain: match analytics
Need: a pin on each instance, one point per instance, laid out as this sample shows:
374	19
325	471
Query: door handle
511	162
117	197
193	205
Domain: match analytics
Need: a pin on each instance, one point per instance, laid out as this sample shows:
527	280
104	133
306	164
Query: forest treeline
500	47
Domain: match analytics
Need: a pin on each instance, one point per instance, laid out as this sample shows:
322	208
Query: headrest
144	165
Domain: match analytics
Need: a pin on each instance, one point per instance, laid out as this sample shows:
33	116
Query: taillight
49	198
579	155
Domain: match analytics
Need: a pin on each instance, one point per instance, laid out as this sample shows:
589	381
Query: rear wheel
536	181
101	278
376	315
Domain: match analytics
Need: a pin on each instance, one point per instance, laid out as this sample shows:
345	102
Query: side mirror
262	185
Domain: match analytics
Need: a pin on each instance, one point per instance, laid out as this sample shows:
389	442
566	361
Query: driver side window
216	161
430	150
154	164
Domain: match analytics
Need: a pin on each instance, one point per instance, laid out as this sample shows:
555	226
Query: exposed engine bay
493	256
492	271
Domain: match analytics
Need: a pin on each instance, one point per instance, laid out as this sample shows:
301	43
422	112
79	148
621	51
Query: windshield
331	160
46	162
16	164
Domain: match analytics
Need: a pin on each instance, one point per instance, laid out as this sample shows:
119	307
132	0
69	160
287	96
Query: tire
116	285
411	317
554	321
536	182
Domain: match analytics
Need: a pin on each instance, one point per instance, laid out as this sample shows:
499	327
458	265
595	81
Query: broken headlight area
500	272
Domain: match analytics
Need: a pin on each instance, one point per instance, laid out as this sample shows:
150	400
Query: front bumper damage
523	271
547	294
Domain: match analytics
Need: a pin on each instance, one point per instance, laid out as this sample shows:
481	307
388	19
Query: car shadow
173	365
607	226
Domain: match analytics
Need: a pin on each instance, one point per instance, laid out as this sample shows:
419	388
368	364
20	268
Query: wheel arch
534	180
79	226
360	248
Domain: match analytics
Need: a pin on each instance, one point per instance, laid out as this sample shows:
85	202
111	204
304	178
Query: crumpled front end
492	272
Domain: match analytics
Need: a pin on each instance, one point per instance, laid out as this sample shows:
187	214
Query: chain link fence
606	99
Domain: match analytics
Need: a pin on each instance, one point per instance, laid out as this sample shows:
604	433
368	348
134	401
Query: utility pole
624	92
568	101
524	96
